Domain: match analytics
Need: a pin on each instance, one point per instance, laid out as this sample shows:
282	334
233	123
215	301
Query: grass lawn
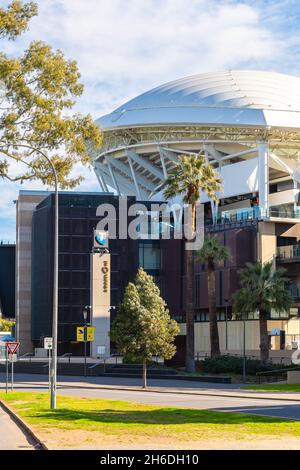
120	424
273	387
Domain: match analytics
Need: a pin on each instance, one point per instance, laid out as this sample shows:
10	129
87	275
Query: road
265	407
11	437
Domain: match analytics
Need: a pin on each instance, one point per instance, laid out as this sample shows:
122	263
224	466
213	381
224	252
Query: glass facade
150	256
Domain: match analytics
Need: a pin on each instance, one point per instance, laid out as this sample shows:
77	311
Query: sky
125	47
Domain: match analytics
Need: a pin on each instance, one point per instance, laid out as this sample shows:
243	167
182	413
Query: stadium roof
236	98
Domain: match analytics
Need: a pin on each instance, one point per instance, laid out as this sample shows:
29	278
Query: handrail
65	355
275	372
30	355
266	372
98	363
95	365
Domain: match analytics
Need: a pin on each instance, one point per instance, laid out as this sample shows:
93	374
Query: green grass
273	387
118	422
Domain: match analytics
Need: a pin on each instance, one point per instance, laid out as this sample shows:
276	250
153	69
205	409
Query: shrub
234	365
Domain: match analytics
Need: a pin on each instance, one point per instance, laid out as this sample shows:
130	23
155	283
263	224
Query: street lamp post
85	315
53	372
244	349
226	324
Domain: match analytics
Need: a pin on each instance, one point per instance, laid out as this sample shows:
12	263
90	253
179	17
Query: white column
100	302
263	176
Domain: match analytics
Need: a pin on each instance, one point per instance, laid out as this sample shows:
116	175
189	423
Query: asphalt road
264	407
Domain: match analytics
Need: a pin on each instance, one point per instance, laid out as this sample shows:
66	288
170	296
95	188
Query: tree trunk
144	373
264	337
190	314
213	321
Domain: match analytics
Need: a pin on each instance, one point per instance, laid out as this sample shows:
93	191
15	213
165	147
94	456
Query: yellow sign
89	333
80	333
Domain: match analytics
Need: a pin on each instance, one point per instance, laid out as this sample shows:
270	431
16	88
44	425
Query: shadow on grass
161	416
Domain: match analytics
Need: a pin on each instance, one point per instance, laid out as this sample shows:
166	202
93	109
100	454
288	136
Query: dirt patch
76	439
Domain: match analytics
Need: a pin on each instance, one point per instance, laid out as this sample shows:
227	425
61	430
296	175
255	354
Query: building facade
247	240
7	280
247	126
77	274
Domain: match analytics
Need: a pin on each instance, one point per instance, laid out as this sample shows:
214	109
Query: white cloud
126	47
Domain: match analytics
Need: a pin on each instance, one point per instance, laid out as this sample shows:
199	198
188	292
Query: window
149	256
201	316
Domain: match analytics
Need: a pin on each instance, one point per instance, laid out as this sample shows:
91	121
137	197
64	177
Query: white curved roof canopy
238	98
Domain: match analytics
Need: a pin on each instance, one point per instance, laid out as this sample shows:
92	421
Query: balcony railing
257	213
294	291
290	252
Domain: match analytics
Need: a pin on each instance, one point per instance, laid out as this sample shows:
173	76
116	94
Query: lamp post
85	315
226	324
244	349
53	372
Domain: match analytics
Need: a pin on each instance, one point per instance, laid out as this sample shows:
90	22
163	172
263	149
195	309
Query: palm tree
263	289
212	253
191	176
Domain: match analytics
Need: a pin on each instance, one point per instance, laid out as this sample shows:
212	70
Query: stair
136	371
41	368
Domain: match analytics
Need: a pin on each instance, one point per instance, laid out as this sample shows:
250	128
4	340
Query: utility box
293	377
40	352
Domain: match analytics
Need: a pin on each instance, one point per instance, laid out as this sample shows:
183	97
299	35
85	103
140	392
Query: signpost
85	334
48	345
11	356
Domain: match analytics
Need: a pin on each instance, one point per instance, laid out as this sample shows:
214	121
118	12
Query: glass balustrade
288	252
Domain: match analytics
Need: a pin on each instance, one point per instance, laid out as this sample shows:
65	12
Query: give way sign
12	346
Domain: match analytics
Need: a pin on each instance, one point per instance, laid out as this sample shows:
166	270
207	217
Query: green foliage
212	250
14	19
37	93
263	288
6	325
234	365
143	327
191	176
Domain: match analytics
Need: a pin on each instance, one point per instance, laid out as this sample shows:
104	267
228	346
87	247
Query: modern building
247	125
79	268
7	280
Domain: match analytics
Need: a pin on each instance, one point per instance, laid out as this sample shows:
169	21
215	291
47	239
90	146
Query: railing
287	213
239	215
288	252
257	213
30	355
68	355
294	291
275	374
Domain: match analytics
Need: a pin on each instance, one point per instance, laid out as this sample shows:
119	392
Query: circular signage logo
100	239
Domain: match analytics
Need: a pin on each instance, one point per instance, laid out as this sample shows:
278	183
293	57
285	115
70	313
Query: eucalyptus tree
37	93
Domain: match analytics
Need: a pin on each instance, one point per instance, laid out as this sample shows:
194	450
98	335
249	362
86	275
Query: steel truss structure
136	161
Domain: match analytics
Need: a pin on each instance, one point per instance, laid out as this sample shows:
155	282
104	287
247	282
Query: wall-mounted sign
105	271
100	239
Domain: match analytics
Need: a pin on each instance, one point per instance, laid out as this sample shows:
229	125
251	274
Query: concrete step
208	379
125	370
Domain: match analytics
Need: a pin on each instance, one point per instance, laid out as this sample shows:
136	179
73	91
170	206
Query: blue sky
126	47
